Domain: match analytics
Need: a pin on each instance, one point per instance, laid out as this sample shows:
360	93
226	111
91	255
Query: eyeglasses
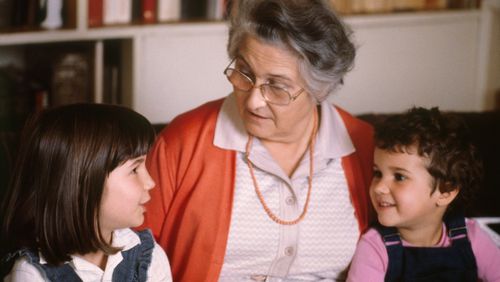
272	94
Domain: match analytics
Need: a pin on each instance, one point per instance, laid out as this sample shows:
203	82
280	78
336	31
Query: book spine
169	10
95	13
69	13
148	11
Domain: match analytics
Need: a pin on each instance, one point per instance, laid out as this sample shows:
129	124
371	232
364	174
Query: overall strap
136	261
457	230
62	272
394	247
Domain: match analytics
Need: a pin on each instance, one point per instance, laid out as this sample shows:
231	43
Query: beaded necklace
274	217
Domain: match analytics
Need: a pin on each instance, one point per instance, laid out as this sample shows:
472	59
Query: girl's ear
445	198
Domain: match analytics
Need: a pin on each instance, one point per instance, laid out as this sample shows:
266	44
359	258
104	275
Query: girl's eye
399	177
134	171
377	173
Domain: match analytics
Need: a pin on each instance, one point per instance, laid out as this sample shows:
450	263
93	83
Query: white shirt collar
333	139
123	238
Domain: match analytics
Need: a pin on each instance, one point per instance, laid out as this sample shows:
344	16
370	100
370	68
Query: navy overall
453	263
133	268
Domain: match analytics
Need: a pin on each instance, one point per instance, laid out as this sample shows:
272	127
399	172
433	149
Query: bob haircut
66	154
443	140
308	28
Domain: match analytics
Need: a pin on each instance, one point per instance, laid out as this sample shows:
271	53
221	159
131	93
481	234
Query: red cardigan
190	208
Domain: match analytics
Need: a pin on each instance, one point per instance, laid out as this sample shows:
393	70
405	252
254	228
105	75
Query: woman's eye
399	177
277	84
247	73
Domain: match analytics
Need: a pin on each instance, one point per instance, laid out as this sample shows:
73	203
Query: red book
148	11
95	13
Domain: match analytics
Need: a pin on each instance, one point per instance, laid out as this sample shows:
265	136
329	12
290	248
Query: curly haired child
425	169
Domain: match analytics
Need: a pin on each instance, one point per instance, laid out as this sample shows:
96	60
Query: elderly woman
271	181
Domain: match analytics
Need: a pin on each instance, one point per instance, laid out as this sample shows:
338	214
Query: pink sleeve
486	252
370	259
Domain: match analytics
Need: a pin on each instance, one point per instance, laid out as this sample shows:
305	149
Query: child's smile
401	190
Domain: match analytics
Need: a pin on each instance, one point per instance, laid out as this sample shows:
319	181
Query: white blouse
319	247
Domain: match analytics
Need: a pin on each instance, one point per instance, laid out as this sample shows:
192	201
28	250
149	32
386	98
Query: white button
289	251
290	200
258	277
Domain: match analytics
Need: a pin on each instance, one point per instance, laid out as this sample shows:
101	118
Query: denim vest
454	263
133	268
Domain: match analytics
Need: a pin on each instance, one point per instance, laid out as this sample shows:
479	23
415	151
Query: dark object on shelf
71	80
6	90
6	13
193	10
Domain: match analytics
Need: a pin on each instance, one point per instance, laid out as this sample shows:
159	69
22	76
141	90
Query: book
26	14
409	5
377	6
215	9
6	7
6	94
149	11
117	12
435	4
357	6
95	13
341	6
112	72
193	10
169	10
69	13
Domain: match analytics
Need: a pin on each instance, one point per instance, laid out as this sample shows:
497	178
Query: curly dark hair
442	138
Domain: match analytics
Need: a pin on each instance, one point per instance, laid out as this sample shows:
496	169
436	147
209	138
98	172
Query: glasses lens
275	95
238	80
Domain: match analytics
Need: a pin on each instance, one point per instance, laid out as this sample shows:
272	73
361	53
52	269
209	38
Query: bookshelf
157	63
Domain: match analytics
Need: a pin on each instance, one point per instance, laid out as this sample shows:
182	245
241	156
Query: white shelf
131	31
417	18
101	33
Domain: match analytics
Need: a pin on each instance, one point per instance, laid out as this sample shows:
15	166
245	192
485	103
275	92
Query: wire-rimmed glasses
272	94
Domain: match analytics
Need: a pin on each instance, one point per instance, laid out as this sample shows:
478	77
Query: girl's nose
149	183
379	187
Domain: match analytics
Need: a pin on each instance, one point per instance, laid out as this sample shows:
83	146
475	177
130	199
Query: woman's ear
445	198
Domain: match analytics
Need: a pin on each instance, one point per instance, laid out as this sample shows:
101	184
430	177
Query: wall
425	59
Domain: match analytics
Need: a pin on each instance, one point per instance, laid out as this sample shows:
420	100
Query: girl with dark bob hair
425	170
78	185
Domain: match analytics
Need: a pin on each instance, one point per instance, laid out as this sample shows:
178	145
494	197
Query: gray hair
309	28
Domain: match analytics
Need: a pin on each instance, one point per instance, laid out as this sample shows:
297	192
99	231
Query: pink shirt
370	259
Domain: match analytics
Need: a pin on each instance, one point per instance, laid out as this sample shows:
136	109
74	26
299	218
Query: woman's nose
255	98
